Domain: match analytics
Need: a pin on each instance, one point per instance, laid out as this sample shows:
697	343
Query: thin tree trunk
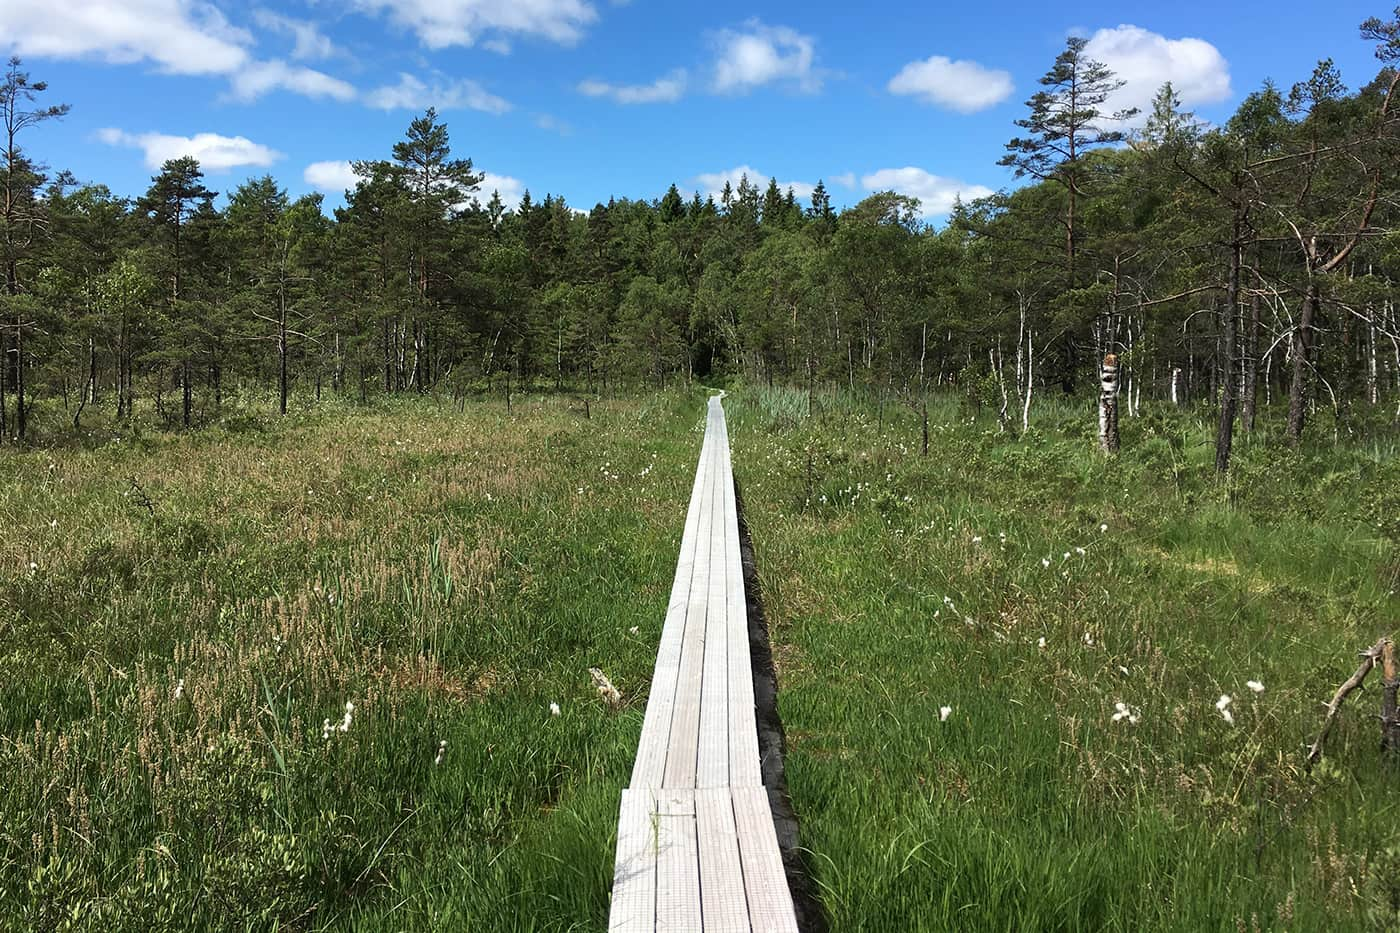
1302	345
1108	405
1249	400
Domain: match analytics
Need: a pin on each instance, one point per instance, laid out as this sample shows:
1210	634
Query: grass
184	617
181	614
898	584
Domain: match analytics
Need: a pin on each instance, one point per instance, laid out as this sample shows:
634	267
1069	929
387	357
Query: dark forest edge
1250	267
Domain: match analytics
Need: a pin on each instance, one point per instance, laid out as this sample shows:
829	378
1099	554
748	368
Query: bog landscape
434	556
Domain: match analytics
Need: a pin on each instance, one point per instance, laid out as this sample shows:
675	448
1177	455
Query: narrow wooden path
696	847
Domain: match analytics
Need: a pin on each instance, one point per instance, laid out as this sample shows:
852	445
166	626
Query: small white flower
1045	562
1255	685
944	712
180	688
632	630
1103	529
1041	644
442	750
554	709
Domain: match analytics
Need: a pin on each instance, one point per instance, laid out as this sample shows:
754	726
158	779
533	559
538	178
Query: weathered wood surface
696	847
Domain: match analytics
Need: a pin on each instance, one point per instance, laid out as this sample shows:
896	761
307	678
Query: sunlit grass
1032	586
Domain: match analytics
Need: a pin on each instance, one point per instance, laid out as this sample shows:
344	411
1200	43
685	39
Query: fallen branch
1368	661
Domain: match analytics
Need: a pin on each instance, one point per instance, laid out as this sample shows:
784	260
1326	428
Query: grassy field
1031	586
185	617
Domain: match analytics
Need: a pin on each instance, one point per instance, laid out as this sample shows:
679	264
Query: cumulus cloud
333	177
215	153
308	40
411	93
845	179
178	36
936	194
757	55
259	78
964	86
712	183
181	37
1146	60
443	23
511	190
662	90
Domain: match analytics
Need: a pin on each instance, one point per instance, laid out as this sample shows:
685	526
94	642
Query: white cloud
412	94
712	183
936	194
960	85
443	23
845	180
310	42
258	78
511	190
759	54
178	36
1145	60
215	153
334	177
662	90
182	37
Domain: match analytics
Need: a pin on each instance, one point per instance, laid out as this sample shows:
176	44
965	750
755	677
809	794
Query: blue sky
592	98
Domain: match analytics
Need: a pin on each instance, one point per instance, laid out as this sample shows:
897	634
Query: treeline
1241	264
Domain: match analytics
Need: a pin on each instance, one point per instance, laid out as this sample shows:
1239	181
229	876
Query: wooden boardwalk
696	847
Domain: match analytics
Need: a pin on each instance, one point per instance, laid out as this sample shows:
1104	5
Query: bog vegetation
314	526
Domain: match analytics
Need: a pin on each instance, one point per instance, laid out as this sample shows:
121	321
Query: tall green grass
898	585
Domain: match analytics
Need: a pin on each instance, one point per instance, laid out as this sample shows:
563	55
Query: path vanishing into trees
696	845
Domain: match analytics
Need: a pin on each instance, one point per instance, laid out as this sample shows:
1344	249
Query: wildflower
1103	529
1045	562
1255	685
180	688
944	712
1223	705
442	750
1041	644
554	709
606	690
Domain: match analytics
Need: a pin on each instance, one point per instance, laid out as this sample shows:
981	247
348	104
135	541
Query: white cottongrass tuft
180	688
633	630
1223	705
1045	562
442	751
1088	639
554	709
1041	644
944	712
1255	685
606	690
1124	711
1103	529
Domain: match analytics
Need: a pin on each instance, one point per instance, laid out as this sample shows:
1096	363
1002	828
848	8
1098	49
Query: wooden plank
765	882
677	864
649	766
683	742
743	725
634	869
722	896
712	764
